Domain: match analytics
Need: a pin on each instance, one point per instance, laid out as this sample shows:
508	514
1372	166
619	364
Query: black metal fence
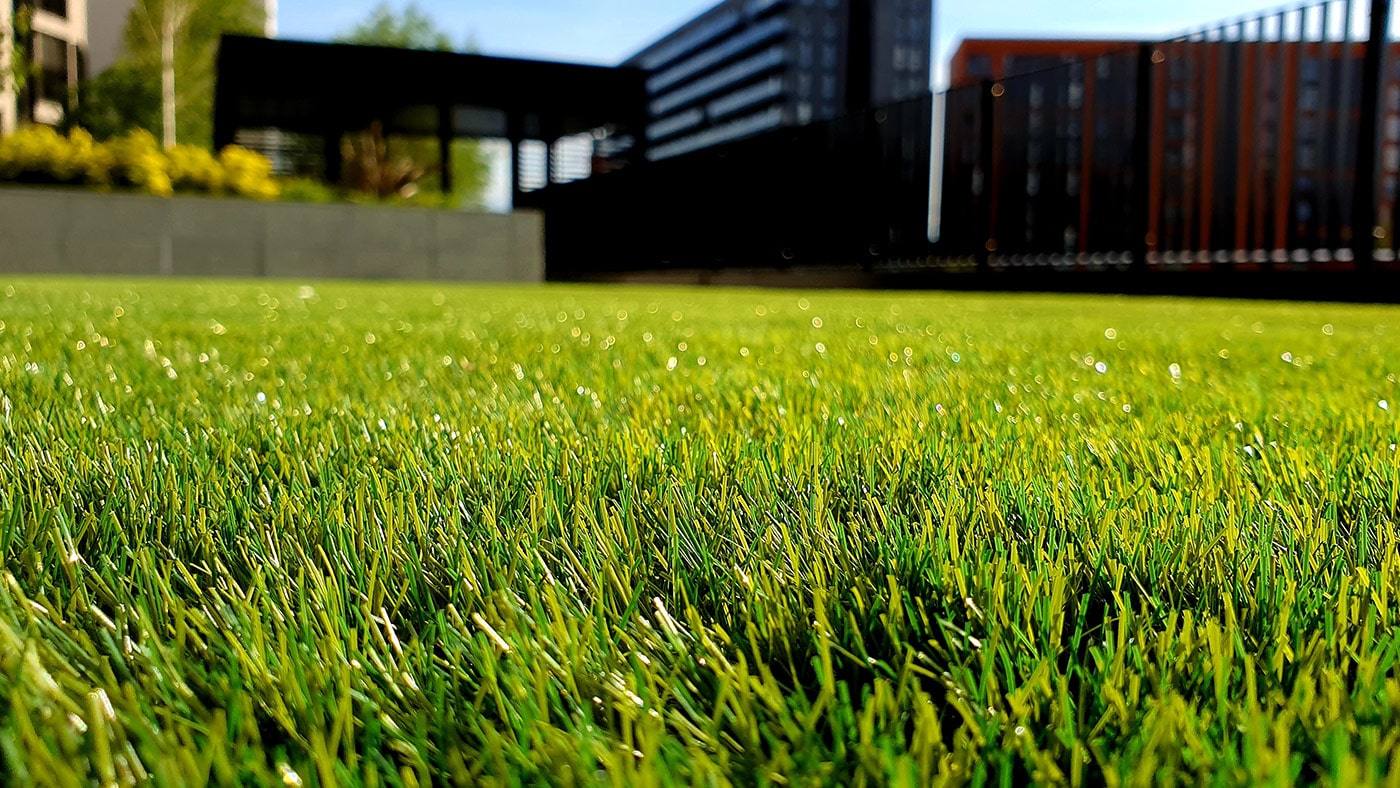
1253	144
1268	143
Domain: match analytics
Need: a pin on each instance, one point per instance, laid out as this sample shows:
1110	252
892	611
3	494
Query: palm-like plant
369	168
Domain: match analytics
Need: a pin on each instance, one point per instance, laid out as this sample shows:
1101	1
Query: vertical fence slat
1283	156
1146	159
986	164
1086	166
1209	123
1364	197
1341	137
1259	163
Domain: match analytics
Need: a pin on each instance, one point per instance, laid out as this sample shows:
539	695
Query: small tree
414	28
164	20
18	67
175	43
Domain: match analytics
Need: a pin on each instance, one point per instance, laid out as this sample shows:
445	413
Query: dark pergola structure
329	90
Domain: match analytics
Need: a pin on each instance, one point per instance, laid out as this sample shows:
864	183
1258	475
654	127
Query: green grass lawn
385	534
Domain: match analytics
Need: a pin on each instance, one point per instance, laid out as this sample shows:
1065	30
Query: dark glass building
749	66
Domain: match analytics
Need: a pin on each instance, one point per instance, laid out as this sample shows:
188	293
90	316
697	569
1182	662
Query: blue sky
606	31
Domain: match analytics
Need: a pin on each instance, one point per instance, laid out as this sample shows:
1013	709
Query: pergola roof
332	88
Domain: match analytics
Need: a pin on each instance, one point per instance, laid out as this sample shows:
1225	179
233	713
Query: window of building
744	98
690	40
1075	94
51	56
738	72
1307	157
719	53
55	7
1308	98
979	66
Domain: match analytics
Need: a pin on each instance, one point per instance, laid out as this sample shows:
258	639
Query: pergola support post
446	135
335	159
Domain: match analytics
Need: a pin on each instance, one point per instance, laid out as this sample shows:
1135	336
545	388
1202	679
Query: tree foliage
412	28
20	31
124	97
127	95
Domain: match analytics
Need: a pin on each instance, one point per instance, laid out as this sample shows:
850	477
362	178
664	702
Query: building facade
56	46
749	66
1249	156
69	40
977	59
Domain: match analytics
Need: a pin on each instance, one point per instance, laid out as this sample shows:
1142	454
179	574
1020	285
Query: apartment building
748	66
56	46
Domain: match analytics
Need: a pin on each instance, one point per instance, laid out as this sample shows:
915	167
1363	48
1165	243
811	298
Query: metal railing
1269	143
1258	143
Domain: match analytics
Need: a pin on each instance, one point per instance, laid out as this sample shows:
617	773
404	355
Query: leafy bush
91	162
194	170
38	154
248	173
136	161
371	170
35	155
141	164
309	190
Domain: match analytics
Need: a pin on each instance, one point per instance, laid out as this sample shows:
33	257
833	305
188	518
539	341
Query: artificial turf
339	534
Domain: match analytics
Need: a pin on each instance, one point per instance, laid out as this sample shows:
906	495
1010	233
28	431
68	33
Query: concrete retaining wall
59	231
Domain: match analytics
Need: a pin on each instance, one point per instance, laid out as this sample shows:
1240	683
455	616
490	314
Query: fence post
986	160
1141	221
1363	202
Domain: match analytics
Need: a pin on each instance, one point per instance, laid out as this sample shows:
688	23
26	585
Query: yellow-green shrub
194	169
35	154
248	173
91	163
139	162
38	154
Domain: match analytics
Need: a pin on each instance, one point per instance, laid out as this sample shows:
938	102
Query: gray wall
60	231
